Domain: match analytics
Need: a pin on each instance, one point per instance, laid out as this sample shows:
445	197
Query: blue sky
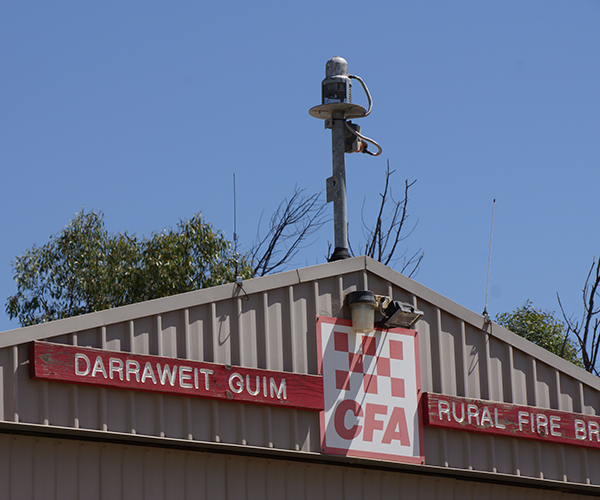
144	110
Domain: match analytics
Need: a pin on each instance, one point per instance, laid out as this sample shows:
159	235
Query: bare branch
294	221
384	237
300	216
587	331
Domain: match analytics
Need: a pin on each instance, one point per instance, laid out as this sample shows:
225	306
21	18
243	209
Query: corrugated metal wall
53	469
273	327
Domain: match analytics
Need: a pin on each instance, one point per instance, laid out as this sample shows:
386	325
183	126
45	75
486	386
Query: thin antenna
235	238
238	278
486	316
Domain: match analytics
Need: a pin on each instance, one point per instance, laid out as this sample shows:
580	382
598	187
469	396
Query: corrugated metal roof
274	328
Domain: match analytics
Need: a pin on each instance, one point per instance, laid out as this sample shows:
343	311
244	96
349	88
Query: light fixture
399	314
362	309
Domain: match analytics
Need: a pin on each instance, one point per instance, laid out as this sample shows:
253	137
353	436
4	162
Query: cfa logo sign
371	385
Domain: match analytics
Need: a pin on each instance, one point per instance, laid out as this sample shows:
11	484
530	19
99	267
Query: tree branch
383	240
587	332
293	222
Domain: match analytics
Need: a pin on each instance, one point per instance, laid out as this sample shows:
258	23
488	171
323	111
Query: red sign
511	420
122	370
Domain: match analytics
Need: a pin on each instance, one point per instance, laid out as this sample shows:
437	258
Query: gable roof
311	274
269	323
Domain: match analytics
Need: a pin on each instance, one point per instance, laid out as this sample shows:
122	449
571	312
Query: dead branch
387	233
295	220
587	330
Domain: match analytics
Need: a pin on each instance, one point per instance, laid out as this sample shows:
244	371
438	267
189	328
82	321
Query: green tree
84	268
541	328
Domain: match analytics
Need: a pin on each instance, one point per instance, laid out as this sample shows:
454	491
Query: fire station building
282	389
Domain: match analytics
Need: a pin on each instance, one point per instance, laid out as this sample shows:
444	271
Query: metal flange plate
325	111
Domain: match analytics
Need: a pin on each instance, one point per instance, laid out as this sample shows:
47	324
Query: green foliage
541	328
84	268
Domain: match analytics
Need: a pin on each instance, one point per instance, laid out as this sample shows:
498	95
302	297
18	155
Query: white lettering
555	426
278	391
206	372
79	357
185	374
443	409
115	365
166	374
257	390
148	373
462	412
523	419
240	383
593	430
580	429
486	418
99	367
473	412
265	386
132	367
496	423
542	423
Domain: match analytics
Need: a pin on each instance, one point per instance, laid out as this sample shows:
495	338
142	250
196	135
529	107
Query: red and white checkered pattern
371	388
370	364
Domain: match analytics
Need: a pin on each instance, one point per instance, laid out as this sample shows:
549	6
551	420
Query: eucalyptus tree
542	328
85	268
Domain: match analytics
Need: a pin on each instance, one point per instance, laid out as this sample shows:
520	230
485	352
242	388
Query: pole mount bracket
334	188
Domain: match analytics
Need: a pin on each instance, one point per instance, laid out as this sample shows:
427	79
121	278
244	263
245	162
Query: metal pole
340	217
336	105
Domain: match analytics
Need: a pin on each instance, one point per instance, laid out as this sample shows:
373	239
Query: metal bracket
334	190
329	123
